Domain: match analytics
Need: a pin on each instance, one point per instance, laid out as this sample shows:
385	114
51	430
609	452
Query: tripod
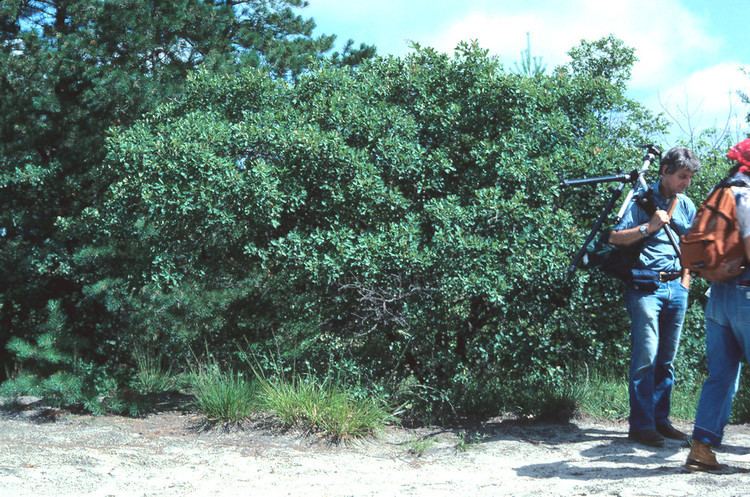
635	178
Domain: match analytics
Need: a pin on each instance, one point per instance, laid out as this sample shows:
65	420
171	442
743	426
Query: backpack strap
730	181
673	238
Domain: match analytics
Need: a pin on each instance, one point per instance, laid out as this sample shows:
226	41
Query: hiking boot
669	431
701	458
647	437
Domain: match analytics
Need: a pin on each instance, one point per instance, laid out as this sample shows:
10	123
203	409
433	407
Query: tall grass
223	396
322	407
603	397
607	397
229	398
150	376
685	401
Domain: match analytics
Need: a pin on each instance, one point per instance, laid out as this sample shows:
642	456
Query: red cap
741	154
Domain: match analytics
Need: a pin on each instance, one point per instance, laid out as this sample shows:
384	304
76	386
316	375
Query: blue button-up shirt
657	253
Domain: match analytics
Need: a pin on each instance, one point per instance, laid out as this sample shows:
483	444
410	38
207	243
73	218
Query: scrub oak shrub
399	225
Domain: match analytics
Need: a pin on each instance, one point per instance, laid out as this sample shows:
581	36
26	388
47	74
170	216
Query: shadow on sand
36	410
611	456
604	453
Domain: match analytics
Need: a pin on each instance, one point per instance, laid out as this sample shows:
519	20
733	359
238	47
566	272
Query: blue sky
690	51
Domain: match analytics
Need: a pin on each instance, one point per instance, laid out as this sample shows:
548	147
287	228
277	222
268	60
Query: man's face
677	182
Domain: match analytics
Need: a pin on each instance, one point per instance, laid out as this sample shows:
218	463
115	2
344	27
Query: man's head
679	158
677	168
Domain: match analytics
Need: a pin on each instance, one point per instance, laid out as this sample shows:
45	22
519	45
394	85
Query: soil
48	452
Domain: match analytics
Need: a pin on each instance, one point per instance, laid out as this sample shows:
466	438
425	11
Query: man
657	309
727	333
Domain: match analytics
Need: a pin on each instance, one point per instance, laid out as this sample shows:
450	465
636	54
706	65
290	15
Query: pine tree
74	71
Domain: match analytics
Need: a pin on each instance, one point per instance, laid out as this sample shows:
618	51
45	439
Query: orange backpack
714	238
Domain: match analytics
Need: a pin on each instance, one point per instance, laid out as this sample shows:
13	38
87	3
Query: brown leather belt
669	276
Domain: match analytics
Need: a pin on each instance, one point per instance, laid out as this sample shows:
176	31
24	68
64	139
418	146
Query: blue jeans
727	343
655	324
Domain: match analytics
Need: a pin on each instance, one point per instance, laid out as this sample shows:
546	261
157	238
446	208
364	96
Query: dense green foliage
70	70
397	226
400	224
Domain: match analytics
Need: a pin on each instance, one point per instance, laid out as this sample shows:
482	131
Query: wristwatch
643	230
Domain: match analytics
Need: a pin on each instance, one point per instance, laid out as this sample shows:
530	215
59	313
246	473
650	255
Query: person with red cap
727	333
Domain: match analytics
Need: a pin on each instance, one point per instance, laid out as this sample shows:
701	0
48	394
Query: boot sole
693	465
649	442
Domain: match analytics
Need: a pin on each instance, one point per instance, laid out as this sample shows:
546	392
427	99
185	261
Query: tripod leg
576	261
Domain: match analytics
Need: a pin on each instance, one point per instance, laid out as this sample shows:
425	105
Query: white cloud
674	45
663	43
708	98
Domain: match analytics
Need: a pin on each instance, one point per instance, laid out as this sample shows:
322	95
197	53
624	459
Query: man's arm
631	235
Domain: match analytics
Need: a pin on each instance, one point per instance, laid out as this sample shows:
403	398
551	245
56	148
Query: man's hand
685	279
659	219
732	267
632	235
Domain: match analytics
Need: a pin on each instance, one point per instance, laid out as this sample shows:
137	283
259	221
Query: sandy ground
52	453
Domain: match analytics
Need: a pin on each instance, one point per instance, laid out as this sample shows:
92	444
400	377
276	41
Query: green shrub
399	225
402	222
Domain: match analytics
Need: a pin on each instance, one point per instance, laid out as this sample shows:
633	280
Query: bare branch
383	305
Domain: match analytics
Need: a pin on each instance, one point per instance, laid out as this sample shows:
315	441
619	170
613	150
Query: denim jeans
655	324
727	343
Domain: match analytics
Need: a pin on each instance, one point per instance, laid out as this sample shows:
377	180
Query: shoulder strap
733	181
648	199
675	201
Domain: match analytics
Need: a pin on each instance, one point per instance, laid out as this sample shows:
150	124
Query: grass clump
420	445
467	440
607	397
685	401
603	397
322	407
224	397
229	397
150	376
